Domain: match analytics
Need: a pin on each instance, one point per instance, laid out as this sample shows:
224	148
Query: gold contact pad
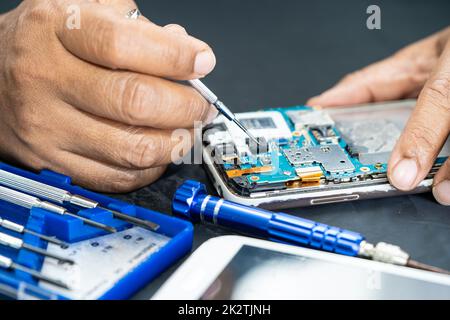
240	172
309	174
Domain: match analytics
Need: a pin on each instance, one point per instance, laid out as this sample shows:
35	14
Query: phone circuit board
300	148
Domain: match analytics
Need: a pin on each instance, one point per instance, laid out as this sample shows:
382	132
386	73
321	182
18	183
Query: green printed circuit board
301	147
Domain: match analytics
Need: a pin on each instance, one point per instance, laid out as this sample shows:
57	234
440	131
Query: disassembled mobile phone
308	155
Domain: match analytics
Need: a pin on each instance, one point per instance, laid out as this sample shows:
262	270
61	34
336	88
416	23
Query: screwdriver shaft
8	291
47	254
62	196
93	223
243	128
53	240
17	243
21	229
136	221
220	106
39	275
418	265
29	202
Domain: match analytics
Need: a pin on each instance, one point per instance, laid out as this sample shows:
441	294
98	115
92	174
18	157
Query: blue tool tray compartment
72	230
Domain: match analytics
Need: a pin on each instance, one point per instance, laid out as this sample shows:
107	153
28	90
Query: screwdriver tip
110	229
150	225
57	283
246	131
418	265
93	223
62	285
133	220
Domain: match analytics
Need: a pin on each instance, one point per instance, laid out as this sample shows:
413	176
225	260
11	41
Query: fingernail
205	62
212	114
404	174
441	192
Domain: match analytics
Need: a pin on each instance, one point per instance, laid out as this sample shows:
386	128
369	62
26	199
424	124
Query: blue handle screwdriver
192	201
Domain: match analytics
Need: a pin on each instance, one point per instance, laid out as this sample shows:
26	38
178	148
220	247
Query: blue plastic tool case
73	230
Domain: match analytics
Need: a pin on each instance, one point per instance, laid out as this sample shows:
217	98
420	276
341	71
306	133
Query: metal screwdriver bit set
59	241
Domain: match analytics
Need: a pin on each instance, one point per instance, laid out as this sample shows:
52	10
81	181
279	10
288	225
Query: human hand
96	103
421	69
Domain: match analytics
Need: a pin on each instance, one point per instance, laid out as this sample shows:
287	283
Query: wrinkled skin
420	70
96	103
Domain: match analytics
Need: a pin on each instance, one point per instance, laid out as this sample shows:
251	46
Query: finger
91	173
101	177
176	28
399	76
117	144
426	131
135	45
134	99
123	7
133	148
389	79
18	151
441	184
130	147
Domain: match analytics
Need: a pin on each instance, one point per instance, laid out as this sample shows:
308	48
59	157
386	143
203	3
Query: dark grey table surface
279	53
